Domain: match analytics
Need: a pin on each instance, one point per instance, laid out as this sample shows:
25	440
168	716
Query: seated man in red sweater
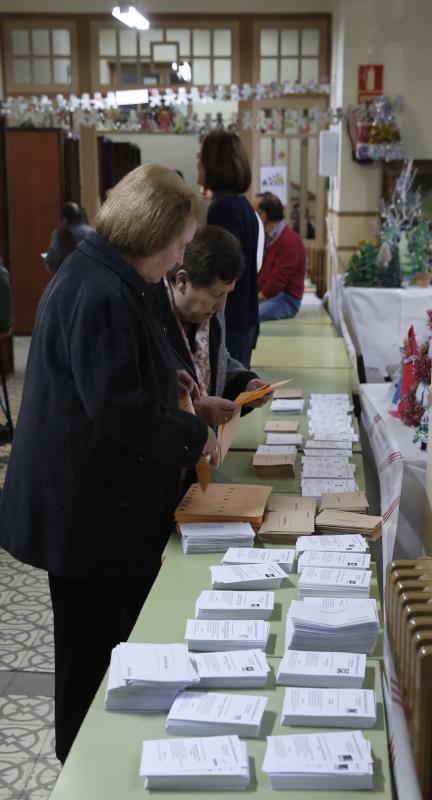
281	280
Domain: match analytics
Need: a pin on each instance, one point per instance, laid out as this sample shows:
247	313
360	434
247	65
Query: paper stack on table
345	543
329	417
247	576
327	452
367	525
332	559
315	487
290	502
215	537
286	526
272	460
326	444
287	406
326	761
237	669
327	467
213	713
327	582
329	623
346	501
210	763
284	439
314	668
147	677
330	708
220	604
215	635
224	502
284	557
281	426
287	394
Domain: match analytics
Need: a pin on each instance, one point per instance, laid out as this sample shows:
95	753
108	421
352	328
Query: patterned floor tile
14	774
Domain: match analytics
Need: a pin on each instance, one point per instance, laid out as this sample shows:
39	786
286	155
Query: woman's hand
215	410
211	447
187	385
257	383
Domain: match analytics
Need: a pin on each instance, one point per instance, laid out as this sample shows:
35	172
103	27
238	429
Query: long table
104	761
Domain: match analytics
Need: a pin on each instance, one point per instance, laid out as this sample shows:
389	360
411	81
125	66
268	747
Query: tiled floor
28	767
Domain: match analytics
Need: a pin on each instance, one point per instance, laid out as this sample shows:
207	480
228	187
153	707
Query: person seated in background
190	304
66	237
281	280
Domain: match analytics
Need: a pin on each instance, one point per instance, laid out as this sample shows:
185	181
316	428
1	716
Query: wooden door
35	199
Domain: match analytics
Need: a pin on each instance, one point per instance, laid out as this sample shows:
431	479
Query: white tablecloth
381	318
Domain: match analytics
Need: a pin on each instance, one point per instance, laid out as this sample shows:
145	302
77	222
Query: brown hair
213	253
225	162
146	210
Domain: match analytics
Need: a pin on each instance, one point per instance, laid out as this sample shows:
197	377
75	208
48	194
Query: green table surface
293	328
104	761
309	353
314	314
237	468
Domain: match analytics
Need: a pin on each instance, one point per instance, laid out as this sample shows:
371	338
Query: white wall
171	150
170	6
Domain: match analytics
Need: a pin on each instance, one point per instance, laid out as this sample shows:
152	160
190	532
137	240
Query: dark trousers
89	620
241	343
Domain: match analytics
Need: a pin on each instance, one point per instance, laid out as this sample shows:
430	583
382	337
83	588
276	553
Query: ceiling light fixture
131	17
183	70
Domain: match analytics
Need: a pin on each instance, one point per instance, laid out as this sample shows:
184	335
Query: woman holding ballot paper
94	473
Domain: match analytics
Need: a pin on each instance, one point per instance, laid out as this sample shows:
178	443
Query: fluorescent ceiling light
130	97
131	17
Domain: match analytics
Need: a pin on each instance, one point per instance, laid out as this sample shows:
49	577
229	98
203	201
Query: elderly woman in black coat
100	443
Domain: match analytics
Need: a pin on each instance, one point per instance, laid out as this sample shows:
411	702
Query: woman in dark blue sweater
224	170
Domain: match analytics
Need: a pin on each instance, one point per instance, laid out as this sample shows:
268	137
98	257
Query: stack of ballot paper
347	501
327	582
282	393
211	763
147	677
282	439
272	460
215	635
325	444
237	669
330	708
326	761
247	576
287	517
315	487
349	522
314	668
281	426
333	559
213	713
327	467
232	502
215	537
345	543
221	604
326	452
329	623
287	406
253	555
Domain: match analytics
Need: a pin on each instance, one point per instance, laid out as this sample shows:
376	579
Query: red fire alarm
370	82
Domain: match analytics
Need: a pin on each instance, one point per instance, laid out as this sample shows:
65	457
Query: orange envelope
248	397
202	467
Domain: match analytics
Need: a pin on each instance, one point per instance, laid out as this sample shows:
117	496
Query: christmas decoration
374	132
361	270
412	385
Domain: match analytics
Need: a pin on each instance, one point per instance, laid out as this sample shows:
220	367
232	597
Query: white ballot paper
327	468
327	761
285	438
215	537
338	543
328	582
329	623
332	708
211	635
283	556
277	449
326	444
315	487
314	668
247	576
342	399
338	437
212	713
147	677
324	452
220	604
287	406
334	560
216	762
237	669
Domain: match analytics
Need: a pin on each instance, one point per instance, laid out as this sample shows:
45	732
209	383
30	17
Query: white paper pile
330	708
211	763
211	635
335	624
247	576
215	713
334	560
327	761
283	556
147	677
280	439
328	582
343	543
314	668
327	467
287	406
326	452
329	416
328	444
220	604
315	487
237	669
277	449
215	537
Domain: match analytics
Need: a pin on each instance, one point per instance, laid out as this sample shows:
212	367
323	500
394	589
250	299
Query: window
39	56
294	51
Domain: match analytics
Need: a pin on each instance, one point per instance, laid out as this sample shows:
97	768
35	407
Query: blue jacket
94	471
